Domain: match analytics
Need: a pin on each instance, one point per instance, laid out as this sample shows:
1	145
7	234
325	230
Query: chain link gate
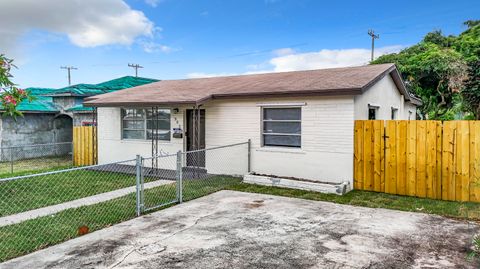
157	185
188	175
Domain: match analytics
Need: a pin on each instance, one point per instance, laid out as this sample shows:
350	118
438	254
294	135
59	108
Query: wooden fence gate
434	159
84	146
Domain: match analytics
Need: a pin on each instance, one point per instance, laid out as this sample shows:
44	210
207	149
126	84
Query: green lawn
35	165
20	239
40	191
462	210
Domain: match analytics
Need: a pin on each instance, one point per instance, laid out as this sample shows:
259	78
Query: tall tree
471	91
434	73
438	68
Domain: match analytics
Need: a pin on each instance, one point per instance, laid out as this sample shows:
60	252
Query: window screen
142	123
282	127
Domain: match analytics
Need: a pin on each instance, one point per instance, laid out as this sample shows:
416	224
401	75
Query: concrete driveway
242	230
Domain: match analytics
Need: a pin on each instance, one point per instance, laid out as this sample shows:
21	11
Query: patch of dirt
445	243
254	204
234	255
101	253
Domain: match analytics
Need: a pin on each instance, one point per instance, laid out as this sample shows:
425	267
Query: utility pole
69	68
374	36
136	67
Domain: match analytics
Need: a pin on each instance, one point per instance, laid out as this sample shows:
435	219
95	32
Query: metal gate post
249	156
179	174
138	177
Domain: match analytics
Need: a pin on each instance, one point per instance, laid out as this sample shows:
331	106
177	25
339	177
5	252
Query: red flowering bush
10	95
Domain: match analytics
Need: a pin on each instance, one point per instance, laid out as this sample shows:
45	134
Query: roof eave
397	79
332	92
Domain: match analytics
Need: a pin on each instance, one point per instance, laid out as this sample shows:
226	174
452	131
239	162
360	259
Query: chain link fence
47	208
39	157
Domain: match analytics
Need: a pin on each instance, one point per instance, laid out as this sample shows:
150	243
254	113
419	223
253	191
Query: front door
195	159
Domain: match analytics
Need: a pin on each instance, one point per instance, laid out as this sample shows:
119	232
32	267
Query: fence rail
434	159
35	157
42	209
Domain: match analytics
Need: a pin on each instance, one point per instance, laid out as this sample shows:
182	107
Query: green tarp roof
44	96
40	104
104	87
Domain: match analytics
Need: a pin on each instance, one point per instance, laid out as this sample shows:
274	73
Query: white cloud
291	61
152	3
152	47
283	51
87	23
326	58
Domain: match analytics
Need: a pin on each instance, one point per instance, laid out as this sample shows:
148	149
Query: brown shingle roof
334	81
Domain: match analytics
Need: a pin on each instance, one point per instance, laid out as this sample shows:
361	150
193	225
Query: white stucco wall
111	146
327	137
325	155
385	94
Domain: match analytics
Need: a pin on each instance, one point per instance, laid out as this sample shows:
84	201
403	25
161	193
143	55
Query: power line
69	68
374	36
136	67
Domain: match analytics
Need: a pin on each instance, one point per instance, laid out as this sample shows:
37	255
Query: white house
300	123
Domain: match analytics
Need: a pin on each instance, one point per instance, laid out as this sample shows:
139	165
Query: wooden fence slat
421	159
401	141
358	156
475	161
368	155
439	160
431	159
390	158
411	158
464	146
377	153
448	163
382	156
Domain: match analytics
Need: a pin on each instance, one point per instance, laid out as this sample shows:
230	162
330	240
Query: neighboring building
300	123
50	117
70	99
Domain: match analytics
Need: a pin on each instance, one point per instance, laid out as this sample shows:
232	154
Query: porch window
282	127
141	124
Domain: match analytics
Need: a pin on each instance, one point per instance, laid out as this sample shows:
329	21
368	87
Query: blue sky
191	38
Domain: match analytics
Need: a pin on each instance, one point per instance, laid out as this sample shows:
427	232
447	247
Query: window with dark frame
394	113
140	124
372	113
281	127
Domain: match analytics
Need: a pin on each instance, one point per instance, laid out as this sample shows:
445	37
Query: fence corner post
249	153
179	174
138	176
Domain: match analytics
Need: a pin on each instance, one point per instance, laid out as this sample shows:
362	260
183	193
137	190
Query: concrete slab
242	230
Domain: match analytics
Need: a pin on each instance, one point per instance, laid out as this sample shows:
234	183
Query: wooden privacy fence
434	159
84	146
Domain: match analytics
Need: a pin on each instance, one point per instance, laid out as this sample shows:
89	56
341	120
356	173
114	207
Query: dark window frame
263	121
394	113
145	119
